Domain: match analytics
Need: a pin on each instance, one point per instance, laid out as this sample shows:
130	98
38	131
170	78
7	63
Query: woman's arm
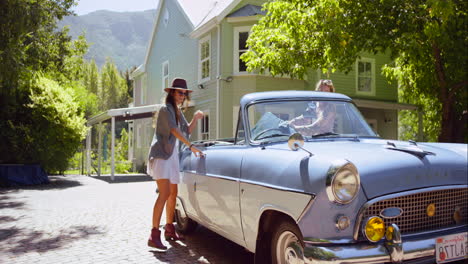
198	115
176	132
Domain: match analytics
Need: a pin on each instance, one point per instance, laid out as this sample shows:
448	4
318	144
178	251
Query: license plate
452	247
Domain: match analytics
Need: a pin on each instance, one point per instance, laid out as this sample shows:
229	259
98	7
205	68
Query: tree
426	39
91	77
113	87
39	64
56	129
129	81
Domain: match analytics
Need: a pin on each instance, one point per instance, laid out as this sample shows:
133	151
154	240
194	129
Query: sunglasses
182	93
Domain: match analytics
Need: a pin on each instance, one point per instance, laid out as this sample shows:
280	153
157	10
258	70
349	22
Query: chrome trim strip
323	242
266	185
228	178
422	249
306	209
443	230
367	253
395	195
276	187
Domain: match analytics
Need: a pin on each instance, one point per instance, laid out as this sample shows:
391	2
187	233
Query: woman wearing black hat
163	165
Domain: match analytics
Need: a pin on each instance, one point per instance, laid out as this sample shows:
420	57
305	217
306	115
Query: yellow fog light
374	229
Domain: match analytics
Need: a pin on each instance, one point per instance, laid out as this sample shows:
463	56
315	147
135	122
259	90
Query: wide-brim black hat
178	84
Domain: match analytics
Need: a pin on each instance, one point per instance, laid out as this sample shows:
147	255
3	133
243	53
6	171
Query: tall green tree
427	40
41	121
129	81
91	76
113	90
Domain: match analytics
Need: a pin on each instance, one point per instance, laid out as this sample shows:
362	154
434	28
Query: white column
100	148
113	148
88	151
218	119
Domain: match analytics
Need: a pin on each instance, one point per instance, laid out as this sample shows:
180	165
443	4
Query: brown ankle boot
170	233
155	239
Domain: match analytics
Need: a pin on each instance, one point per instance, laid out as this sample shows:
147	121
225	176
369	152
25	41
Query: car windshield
273	121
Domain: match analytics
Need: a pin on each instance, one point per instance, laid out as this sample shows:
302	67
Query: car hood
392	166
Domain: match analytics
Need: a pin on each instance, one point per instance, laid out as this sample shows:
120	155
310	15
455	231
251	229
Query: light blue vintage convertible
338	196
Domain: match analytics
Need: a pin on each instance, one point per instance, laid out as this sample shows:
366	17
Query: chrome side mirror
296	141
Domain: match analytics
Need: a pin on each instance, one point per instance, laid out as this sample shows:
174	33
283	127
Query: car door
216	190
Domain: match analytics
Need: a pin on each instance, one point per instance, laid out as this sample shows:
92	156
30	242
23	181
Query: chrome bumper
394	251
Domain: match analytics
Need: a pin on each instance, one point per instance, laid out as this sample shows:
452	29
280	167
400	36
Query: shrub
57	125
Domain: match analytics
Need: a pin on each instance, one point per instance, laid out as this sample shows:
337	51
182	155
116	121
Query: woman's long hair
171	100
329	83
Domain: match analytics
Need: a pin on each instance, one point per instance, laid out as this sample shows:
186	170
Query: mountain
122	36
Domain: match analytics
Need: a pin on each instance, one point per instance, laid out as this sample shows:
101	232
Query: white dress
166	169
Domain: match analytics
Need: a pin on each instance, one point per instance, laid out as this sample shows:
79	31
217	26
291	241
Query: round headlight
345	184
374	229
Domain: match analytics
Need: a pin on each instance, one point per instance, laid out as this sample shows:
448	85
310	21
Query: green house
201	41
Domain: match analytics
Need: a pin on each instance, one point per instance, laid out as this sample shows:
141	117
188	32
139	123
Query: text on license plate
452	247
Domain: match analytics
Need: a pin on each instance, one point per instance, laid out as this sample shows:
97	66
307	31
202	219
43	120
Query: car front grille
415	219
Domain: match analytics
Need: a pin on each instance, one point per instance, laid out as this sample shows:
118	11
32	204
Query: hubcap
288	249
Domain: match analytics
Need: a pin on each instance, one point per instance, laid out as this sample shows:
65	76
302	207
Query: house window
365	76
241	34
165	75
204	126
204	59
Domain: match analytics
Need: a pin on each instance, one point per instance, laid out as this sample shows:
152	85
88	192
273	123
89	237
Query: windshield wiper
324	134
273	135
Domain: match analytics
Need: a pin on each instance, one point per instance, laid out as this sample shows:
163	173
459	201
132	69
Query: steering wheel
267	130
283	129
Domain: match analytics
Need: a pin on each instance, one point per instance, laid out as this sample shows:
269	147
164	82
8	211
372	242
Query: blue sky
88	6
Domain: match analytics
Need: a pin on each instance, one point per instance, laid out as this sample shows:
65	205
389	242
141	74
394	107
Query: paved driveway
80	219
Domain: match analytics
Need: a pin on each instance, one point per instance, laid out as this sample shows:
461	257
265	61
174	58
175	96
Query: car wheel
287	245
185	225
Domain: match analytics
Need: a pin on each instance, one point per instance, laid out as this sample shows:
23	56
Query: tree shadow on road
19	241
204	246
55	182
7	202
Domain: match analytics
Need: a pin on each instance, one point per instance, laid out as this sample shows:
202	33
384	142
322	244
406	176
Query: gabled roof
202	14
248	10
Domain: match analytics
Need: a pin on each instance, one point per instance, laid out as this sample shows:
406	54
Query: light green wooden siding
266	83
227	43
230	96
346	83
232	92
205	98
171	43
